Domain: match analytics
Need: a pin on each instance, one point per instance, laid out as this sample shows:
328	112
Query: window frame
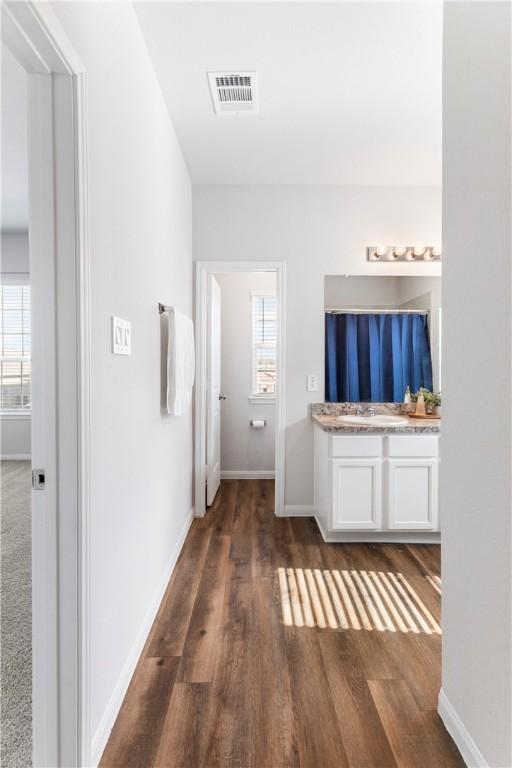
16	280
261	397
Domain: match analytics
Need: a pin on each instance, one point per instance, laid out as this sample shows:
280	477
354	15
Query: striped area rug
351	599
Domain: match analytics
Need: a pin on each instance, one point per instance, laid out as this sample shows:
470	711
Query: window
264	344
15	348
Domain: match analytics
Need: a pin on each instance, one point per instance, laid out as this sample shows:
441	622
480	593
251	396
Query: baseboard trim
299	510
457	730
15	457
376	537
247	474
320	528
102	734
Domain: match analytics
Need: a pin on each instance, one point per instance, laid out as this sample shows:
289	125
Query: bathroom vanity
375	479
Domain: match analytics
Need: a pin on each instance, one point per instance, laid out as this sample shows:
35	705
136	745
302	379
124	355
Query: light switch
312	383
121	336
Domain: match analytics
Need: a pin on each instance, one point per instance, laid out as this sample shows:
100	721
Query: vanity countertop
324	415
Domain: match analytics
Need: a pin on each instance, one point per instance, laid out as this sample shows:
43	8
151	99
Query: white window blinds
264	340
15	348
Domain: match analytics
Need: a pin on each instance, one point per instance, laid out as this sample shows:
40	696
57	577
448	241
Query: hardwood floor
223	682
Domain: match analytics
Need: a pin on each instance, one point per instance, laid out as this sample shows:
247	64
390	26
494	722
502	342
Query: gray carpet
16	632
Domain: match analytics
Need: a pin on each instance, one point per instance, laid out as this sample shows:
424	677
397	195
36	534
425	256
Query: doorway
52	385
15	415
240	377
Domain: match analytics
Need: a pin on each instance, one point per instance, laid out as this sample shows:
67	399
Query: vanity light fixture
377	252
403	253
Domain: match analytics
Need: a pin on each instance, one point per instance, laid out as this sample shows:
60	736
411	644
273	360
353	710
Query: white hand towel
181	362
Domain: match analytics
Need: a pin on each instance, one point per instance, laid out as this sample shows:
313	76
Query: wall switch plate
312	383
121	336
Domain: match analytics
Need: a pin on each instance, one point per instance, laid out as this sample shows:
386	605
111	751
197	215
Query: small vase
420	405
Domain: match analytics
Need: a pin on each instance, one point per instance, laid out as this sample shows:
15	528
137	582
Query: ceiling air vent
234	93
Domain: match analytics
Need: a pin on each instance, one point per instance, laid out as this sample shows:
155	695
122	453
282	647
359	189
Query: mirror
382	335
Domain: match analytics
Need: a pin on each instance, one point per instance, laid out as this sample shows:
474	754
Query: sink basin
379	420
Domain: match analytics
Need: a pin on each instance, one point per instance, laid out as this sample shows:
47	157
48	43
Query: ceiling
14	144
349	92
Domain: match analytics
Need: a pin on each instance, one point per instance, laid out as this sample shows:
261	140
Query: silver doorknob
222	397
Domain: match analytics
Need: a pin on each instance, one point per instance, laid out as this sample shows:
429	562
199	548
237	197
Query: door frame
212	394
58	193
203	269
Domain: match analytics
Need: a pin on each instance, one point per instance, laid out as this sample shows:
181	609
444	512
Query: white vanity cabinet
371	487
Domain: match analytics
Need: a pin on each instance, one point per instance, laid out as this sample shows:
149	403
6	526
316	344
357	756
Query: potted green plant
432	401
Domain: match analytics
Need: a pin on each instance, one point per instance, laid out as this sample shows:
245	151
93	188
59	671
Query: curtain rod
370	311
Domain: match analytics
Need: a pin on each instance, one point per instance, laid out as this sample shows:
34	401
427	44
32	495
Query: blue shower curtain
374	357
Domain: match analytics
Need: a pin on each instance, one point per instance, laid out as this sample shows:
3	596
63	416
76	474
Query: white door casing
213	391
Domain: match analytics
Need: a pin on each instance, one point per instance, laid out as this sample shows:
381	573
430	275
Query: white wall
342	292
140	238
14	255
317	231
15	437
15	268
243	449
14	188
476	467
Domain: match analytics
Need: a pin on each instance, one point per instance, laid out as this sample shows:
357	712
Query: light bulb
381	250
399	251
428	255
419	250
409	255
436	252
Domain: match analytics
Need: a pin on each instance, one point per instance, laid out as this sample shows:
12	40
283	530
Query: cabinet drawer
413	446
354	446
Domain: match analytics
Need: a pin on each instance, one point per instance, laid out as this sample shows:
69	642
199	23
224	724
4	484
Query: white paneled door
213	392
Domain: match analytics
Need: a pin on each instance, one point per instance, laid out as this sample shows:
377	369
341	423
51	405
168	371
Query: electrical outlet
312	383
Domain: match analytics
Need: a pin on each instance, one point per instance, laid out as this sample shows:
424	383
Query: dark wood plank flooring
223	682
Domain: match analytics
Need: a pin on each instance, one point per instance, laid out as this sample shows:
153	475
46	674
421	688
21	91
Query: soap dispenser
407	396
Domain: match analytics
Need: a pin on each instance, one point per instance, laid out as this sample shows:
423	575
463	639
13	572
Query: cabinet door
356	494
413	494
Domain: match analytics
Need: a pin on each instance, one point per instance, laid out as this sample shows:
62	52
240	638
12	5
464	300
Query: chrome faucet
365	411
